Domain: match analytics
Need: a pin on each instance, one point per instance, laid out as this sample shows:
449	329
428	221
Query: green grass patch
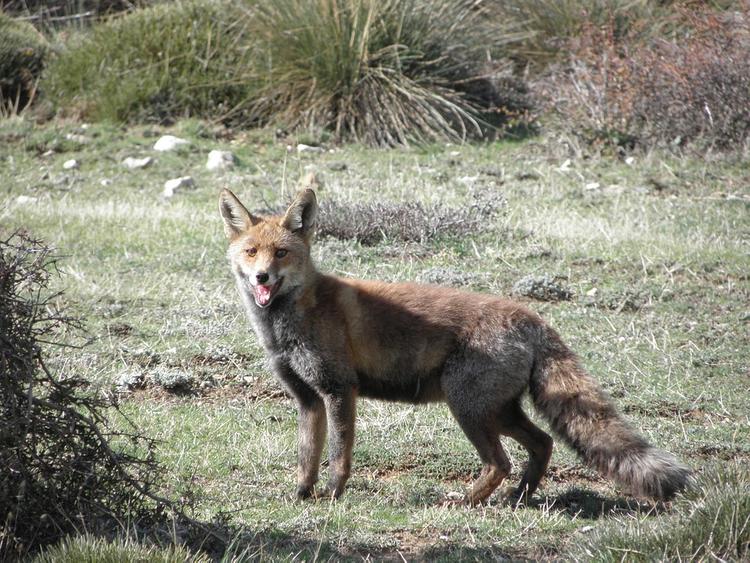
712	521
93	549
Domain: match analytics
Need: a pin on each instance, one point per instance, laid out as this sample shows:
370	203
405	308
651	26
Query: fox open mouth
263	294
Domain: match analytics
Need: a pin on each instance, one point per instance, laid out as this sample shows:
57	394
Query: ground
651	251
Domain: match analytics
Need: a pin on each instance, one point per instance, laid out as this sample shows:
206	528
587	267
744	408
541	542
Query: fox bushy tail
584	416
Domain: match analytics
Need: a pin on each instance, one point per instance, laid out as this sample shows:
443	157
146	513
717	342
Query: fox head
270	256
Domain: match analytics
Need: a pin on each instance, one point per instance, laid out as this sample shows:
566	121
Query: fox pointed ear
237	218
302	213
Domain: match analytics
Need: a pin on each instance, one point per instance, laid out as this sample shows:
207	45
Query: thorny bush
62	467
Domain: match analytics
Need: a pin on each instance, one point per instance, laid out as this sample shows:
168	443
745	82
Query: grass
666	235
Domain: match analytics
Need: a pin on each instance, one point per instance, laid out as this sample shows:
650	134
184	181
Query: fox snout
264	285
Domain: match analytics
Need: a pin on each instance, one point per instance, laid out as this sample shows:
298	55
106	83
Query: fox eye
252	251
281	252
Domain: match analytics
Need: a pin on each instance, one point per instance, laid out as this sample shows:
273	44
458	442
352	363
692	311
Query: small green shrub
23	52
383	72
709	523
155	64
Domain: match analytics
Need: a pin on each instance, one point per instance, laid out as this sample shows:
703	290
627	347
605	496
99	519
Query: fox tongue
263	294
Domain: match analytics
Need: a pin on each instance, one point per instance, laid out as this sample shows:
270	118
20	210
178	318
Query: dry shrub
59	469
371	223
628	92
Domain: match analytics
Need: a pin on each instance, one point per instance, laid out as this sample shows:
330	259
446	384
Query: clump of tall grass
383	72
156	64
710	522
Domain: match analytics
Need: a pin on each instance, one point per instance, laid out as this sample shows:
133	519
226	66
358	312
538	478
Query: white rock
24	199
76	138
71	164
171	186
468	180
630	160
301	147
135	163
169	143
220	160
592	186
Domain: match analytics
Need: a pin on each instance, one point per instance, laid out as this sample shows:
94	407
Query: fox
330	340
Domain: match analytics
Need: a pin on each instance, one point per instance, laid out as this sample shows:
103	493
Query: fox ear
237	218
301	215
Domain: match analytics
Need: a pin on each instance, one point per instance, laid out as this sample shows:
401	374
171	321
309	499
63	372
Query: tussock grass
711	522
383	73
183	58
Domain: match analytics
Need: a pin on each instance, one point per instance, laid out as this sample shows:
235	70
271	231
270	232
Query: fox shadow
592	505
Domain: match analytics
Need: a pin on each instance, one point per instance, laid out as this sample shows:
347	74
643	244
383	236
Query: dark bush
62	467
23	52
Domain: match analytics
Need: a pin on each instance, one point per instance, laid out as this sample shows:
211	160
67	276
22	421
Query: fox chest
290	348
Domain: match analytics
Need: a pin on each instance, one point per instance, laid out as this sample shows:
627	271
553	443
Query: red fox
331	340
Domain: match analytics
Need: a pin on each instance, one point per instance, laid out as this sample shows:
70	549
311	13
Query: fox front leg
311	433
311	427
341	410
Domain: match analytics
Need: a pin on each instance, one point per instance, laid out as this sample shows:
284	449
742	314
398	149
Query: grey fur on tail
584	416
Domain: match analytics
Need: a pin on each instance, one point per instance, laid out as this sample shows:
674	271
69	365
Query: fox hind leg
496	465
515	424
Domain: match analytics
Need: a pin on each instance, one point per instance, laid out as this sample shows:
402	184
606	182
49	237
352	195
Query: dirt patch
670	410
724	454
224	394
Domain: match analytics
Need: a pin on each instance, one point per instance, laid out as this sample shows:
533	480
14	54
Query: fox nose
261	277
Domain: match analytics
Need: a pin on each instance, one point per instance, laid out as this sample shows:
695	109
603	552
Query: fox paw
305	492
514	496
